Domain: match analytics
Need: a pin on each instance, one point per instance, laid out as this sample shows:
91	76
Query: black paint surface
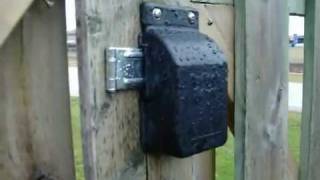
184	99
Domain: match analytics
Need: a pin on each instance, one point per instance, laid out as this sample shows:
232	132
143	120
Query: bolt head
156	12
49	3
210	21
192	17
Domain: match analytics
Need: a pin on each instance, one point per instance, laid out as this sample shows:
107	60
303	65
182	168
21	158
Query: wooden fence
35	127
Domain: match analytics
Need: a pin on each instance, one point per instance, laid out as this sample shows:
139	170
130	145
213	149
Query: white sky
71	15
296	23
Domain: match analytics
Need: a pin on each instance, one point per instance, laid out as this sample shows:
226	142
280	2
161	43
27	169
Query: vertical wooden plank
261	90
226	2
11	12
297	7
12	113
201	166
310	135
110	121
35	131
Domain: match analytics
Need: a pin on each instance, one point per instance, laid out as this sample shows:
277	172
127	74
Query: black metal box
184	99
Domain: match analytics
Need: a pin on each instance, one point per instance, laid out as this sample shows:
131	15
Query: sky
296	23
71	15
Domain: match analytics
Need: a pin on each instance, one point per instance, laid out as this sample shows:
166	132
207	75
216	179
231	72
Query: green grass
294	77
225	154
77	140
294	124
225	159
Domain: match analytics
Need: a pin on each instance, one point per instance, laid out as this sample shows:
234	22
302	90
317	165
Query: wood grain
35	131
225	2
297	7
200	167
11	12
111	121
261	90
310	135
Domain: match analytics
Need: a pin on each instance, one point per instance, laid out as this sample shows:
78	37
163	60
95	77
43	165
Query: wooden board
261	90
297	7
35	131
200	166
111	121
310	135
11	12
226	2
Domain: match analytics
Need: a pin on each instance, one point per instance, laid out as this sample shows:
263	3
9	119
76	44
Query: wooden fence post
110	121
297	7
35	127
11	12
310	135
261	90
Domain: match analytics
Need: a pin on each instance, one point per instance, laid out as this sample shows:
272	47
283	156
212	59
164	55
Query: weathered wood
35	131
310	135
11	12
225	2
110	122
200	166
297	7
261	90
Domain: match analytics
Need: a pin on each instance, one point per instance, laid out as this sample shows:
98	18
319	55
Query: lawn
76	130
225	154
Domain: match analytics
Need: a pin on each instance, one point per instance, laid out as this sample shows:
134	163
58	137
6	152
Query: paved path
295	96
73	81
295	90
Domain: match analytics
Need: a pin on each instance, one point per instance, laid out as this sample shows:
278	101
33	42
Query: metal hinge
123	68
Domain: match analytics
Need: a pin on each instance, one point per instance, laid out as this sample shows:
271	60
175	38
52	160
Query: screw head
49	3
210	21
156	12
191	17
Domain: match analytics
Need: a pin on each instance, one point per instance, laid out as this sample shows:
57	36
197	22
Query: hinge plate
123	68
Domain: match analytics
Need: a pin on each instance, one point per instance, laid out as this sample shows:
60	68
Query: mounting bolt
210	21
191	17
49	3
156	12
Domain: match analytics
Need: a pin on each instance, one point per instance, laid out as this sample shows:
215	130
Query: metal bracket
123	68
182	77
